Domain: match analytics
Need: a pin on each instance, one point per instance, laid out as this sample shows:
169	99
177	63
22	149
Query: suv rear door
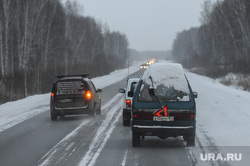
69	93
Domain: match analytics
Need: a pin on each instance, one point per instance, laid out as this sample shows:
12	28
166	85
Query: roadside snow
12	113
238	81
222	113
15	112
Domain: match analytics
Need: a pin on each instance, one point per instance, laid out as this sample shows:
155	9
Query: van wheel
191	140
135	139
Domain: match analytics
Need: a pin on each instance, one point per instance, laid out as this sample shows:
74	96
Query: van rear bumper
164	131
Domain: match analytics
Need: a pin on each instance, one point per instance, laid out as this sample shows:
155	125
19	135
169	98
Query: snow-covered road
222	116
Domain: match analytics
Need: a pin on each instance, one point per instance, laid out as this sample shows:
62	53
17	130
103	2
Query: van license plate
163	118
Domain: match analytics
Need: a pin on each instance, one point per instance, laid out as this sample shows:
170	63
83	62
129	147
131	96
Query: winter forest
222	43
43	38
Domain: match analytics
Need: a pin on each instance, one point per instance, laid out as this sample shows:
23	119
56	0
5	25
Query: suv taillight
52	95
88	95
128	103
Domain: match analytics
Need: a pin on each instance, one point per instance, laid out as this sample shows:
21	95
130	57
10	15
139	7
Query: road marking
46	159
70	145
102	135
124	158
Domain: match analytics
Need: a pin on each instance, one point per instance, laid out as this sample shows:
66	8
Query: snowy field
222	112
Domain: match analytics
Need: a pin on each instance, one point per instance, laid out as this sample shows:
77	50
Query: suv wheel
98	112
135	139
53	115
125	121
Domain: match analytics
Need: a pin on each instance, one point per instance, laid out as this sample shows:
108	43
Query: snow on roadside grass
12	113
238	81
15	112
222	113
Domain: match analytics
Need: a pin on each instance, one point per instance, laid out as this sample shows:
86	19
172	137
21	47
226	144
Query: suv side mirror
99	90
195	94
121	90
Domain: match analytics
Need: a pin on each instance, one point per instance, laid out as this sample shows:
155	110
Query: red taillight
88	95
52	94
135	116
192	117
128	103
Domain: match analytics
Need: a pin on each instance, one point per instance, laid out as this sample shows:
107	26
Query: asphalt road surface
85	140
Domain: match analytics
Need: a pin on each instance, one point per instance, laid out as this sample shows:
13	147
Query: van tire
136	139
191	140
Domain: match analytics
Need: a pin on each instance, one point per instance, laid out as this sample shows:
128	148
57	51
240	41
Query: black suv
74	94
164	105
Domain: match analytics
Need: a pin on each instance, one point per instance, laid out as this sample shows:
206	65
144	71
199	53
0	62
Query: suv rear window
70	87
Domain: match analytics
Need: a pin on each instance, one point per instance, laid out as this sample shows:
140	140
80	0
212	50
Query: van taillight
88	95
52	94
192	117
135	116
128	103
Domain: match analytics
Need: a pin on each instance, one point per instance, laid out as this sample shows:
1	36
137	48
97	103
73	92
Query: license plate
65	100
163	118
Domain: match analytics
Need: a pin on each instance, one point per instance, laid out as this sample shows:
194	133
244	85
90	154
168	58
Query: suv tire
125	121
53	115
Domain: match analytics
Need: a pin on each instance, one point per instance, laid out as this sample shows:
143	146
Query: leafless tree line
43	38
222	43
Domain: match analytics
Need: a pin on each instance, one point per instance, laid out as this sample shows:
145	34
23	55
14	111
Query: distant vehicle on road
164	105
129	93
144	66
74	94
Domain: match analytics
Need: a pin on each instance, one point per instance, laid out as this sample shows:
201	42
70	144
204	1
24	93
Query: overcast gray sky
148	24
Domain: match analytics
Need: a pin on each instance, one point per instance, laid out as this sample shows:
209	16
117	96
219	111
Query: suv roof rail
78	75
